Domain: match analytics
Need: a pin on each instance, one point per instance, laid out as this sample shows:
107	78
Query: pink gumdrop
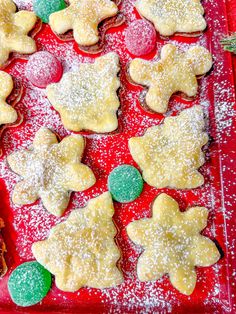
140	37
43	69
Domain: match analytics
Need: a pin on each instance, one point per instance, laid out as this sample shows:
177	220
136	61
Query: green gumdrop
29	283
44	8
125	183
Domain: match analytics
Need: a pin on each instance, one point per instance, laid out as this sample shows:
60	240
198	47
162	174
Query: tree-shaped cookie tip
170	154
176	71
14	27
81	251
50	170
173	244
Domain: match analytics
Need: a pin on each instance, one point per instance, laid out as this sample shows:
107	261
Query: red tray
215	289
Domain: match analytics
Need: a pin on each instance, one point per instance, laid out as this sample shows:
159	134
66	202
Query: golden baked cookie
170	154
14	27
50	170
83	16
173	244
87	99
7	113
171	16
176	71
81	251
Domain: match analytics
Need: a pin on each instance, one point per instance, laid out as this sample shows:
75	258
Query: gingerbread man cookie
87	99
3	266
7	113
81	251
173	244
50	170
175	72
14	27
171	16
83	17
170	154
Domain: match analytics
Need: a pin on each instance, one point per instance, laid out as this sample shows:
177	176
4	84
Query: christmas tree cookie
87	99
81	251
170	154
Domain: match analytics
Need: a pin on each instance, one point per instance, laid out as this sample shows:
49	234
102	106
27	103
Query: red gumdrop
43	69
140	37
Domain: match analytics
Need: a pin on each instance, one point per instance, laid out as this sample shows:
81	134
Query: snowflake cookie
171	16
7	113
50	170
3	266
14	27
170	154
81	251
173	244
175	72
83	17
87	99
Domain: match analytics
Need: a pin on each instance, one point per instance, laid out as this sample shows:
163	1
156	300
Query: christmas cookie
29	283
7	113
3	266
173	244
81	251
171	16
175	72
87	98
14	27
50	170
83	17
170	154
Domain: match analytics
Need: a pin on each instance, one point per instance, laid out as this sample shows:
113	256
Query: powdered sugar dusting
103	153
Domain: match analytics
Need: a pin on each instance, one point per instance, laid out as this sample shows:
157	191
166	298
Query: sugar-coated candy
29	283
43	69
140	37
125	183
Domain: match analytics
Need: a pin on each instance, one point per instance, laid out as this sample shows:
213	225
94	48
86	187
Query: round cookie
125	183
44	8
140	37
29	283
43	69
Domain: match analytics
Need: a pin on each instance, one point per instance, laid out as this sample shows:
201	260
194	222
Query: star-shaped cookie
87	99
14	27
170	154
3	266
83	17
7	113
50	170
81	251
173	244
175	72
171	16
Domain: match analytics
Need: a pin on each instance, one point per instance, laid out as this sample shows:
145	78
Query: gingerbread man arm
7	113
